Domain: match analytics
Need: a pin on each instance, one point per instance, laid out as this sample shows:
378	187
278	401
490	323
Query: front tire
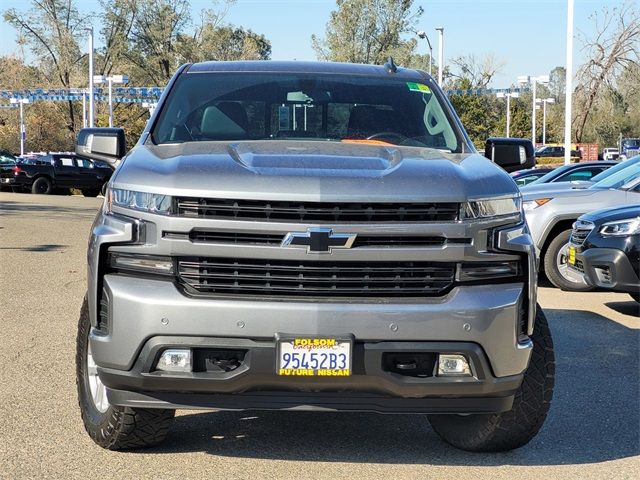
110	426
513	429
90	193
556	268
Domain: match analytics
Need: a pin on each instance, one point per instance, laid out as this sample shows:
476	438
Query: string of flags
151	94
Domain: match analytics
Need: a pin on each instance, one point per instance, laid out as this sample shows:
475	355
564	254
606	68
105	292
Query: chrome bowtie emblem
318	240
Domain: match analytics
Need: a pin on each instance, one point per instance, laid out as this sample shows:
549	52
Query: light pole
509	96
440	31
568	85
91	106
422	34
23	130
525	79
111	79
544	102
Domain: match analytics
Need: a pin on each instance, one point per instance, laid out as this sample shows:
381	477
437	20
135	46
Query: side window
82	163
579	175
66	162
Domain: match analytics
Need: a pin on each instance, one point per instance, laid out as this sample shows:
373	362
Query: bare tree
470	71
52	29
615	47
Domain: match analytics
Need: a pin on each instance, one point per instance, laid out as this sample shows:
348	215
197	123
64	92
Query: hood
612	214
311	171
556	186
562	193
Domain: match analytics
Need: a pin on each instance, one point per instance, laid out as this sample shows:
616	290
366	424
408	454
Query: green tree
369	31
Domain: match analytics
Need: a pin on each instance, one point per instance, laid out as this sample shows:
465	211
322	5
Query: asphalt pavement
593	430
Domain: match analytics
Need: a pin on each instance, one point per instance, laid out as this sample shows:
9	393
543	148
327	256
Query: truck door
66	172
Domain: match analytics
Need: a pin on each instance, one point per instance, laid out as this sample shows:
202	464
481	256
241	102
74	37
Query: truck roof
303	67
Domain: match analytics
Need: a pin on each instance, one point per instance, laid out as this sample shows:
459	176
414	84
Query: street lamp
91	106
422	34
508	96
568	84
440	31
111	79
23	130
544	102
526	79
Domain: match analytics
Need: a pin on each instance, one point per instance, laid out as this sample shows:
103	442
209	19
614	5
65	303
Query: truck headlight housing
621	228
152	264
498	207
140	201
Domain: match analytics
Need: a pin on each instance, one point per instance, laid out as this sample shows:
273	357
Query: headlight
533	204
492	208
141	201
621	228
154	264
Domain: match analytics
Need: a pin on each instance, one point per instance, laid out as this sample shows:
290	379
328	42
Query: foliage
146	39
369	31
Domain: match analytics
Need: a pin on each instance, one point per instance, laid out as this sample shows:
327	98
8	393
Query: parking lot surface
593	430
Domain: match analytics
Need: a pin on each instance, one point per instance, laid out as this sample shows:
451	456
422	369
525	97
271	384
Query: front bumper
608	268
147	315
254	385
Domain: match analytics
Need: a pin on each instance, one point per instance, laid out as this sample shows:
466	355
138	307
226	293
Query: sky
527	36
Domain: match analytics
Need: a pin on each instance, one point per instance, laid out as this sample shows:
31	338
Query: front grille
315	212
268	239
578	236
223	276
580	232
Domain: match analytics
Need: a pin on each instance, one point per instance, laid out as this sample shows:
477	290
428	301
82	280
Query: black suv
605	247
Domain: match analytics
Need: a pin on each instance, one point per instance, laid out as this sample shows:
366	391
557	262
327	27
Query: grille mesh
223	276
280	211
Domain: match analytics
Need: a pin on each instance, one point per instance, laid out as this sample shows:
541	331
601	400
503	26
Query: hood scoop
357	160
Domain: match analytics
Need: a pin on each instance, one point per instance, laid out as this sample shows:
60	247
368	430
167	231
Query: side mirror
510	153
103	144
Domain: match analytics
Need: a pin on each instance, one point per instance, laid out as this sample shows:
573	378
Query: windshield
547	177
620	178
272	106
631	142
615	169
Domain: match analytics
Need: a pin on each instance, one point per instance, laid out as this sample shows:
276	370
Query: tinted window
585	174
268	106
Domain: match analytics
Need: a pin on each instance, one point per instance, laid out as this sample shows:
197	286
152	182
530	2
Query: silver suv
309	236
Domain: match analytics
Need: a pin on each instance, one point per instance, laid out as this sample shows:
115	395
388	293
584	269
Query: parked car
57	171
525	177
610	154
7	162
551	216
604	247
574	172
550	188
365	259
554	151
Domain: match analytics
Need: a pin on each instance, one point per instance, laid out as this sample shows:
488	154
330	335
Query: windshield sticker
418	87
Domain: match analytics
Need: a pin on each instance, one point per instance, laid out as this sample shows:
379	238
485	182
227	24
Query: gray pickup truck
310	236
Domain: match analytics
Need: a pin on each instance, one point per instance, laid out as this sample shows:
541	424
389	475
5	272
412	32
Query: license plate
571	259
308	356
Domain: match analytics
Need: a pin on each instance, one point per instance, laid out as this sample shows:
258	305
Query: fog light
175	360
453	365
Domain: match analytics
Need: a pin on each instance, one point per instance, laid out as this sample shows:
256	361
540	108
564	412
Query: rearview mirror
510	153
103	144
